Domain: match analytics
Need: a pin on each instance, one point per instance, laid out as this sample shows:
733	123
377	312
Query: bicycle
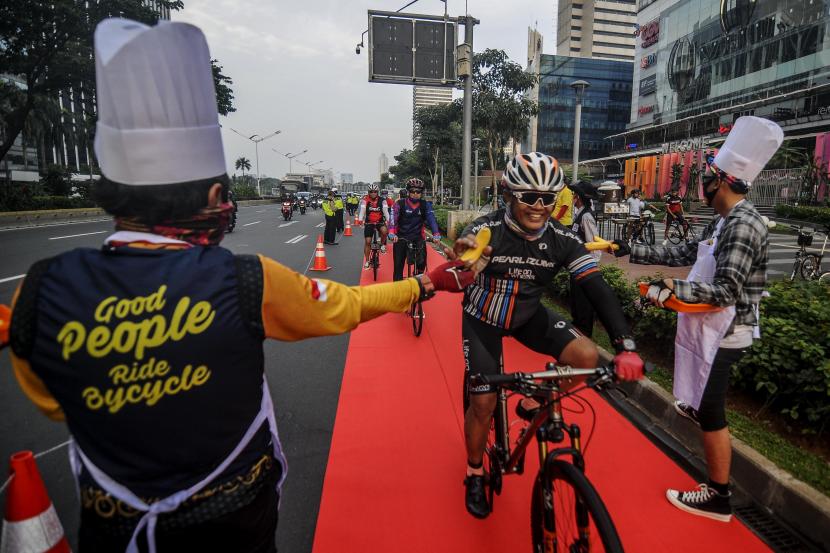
567	514
414	251
808	265
682	231
374	252
641	230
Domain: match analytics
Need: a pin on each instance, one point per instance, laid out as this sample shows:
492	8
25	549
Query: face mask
710	195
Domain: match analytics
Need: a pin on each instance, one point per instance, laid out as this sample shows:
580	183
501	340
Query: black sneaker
686	410
475	497
702	501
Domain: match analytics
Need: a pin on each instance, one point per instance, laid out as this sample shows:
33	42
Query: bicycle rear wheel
810	267
569	516
675	233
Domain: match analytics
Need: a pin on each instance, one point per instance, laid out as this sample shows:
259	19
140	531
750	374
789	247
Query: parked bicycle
807	265
566	514
640	231
679	232
414	252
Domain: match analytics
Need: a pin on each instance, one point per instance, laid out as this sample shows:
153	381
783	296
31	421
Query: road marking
76	235
321	225
249	224
288	223
7	279
297	239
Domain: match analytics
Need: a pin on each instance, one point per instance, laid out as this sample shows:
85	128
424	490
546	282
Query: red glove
628	365
451	277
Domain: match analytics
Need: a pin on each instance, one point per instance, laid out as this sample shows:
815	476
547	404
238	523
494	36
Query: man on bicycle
410	216
374	212
527	249
730	272
636	208
674	211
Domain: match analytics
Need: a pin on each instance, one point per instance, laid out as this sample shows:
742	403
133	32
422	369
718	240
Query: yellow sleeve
295	307
32	385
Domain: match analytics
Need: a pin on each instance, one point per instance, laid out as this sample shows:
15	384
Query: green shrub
441	218
816	215
60	202
244	192
789	368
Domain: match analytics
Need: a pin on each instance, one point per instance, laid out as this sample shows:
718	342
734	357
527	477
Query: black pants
338	215
582	312
712	410
330	234
399	258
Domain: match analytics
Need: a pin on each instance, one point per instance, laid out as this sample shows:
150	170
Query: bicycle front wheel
375	263
568	516
810	267
417	314
796	269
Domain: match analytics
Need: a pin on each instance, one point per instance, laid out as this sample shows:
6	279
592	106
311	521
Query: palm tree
243	164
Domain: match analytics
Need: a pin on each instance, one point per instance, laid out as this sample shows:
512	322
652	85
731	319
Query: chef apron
79	460
699	334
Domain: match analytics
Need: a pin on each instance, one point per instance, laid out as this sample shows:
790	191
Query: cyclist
730	271
527	249
674	210
410	217
373	214
635	213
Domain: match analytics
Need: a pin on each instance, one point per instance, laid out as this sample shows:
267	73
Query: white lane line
321	225
76	235
288	224
297	239
7	279
249	224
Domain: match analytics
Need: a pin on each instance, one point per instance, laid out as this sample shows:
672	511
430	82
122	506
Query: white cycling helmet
535	172
373	188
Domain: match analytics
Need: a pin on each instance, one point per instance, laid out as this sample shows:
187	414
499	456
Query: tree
408	166
439	132
49	46
386	181
243	164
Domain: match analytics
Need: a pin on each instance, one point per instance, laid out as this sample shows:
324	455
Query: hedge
816	215
32	203
788	370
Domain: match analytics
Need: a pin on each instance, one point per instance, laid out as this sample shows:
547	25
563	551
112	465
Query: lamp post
476	141
579	87
256	139
289	157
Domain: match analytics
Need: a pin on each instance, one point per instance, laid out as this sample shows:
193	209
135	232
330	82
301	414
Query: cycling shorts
369	228
545	332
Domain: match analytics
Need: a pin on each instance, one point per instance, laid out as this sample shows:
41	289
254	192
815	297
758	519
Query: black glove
621	249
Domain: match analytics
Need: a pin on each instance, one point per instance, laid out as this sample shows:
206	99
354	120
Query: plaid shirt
741	254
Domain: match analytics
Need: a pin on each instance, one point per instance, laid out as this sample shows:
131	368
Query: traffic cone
5	323
320	263
348	231
30	522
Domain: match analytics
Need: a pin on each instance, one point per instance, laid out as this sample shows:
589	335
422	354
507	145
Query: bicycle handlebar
553	372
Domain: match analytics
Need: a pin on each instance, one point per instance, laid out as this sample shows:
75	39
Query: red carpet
395	470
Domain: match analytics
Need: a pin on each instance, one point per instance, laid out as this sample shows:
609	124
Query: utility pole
469	23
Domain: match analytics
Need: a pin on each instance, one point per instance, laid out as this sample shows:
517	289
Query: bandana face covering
517	228
206	228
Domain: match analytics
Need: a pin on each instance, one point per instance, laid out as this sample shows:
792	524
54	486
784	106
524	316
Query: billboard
412	49
648	85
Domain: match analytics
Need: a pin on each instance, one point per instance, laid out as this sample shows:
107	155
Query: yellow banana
482	240
600	244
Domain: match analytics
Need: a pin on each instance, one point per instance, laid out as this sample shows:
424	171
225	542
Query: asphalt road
304	377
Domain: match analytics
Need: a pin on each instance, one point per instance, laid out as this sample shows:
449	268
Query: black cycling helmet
586	190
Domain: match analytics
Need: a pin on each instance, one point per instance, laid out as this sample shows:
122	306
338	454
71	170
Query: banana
600	244
482	240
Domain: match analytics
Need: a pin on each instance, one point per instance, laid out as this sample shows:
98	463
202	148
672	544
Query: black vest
577	224
153	356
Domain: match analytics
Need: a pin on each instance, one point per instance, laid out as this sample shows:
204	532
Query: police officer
338	210
330	211
150	348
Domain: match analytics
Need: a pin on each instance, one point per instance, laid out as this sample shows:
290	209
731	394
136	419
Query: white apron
699	334
77	458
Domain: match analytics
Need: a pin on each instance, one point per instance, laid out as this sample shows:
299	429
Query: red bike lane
396	464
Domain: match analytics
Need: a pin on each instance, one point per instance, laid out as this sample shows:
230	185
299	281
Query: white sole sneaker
672	496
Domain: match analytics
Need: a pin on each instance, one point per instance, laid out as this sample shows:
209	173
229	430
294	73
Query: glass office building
606	105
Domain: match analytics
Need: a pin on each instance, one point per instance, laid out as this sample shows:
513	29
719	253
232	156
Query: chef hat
157	118
750	145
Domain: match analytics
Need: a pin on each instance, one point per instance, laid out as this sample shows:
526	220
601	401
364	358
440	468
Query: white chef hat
157	118
750	145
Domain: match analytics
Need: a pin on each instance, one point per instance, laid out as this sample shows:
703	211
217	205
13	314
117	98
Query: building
596	29
702	64
606	104
383	165
425	96
346	178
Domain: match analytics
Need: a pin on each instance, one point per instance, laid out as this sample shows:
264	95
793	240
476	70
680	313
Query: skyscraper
596	29
424	96
383	165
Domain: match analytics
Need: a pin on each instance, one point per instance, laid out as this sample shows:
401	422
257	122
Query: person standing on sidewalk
329	206
729	272
563	210
585	226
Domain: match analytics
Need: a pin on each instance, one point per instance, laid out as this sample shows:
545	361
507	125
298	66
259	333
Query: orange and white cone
348	231
30	522
320	263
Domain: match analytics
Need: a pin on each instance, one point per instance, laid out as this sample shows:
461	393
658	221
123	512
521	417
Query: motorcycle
287	210
302	207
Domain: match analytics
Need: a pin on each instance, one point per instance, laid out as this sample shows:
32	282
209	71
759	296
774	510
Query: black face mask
710	195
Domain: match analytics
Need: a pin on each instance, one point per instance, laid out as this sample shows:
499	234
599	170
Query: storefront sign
648	61
643	110
648	85
650	33
697	143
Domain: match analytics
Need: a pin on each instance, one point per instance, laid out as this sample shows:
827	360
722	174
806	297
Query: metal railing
777	186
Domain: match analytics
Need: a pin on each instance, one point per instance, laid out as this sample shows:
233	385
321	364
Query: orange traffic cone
348	231
30	522
5	322
320	263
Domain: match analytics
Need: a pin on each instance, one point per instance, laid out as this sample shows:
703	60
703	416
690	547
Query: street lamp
579	87
256	139
476	141
289	157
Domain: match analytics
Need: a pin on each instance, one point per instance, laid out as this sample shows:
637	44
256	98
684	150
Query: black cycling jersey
507	293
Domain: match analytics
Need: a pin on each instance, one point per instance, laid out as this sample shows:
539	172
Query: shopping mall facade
701	64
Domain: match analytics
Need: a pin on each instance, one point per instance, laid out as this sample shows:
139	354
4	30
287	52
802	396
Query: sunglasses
373	191
416	191
530	198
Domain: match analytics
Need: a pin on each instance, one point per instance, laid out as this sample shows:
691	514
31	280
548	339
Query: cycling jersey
507	293
674	203
373	212
411	217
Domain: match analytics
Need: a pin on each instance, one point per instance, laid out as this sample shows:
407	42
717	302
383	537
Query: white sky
294	68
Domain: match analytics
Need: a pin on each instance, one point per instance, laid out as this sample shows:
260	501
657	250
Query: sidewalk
634	271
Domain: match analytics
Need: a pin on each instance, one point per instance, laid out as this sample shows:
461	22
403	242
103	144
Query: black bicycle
640	230
374	252
415	250
808	265
678	232
567	514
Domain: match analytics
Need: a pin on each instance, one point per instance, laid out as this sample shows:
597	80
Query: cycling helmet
373	188
535	172
414	184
